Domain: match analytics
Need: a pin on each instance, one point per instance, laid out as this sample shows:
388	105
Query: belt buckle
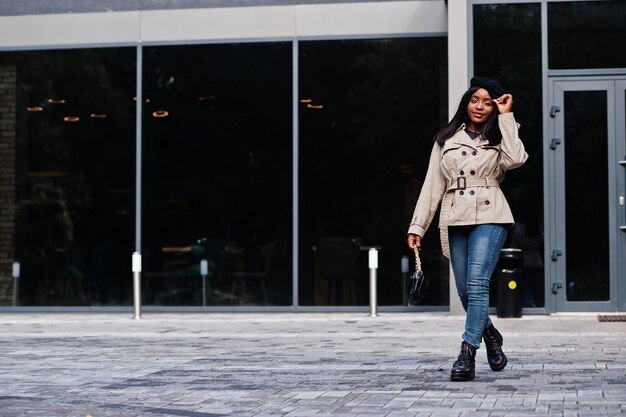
458	183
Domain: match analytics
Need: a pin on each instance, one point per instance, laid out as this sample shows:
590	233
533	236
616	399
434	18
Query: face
480	108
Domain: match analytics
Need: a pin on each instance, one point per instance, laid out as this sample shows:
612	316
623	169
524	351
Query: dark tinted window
368	112
218	174
588	34
67	184
500	31
586	116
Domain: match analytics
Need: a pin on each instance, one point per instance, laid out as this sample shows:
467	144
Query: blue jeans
474	252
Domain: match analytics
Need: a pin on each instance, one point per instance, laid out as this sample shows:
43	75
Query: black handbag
417	284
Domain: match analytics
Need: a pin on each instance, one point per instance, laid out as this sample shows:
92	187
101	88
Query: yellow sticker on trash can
512	285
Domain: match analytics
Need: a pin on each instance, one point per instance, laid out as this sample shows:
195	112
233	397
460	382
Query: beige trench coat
466	174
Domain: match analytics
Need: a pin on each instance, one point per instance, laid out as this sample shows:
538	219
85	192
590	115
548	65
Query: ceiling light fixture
204	98
71	119
56	101
34	108
306	100
160	114
98	116
315	106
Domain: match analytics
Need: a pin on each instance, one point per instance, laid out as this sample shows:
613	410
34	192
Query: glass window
368	112
587	34
586	116
67	182
217	174
496	29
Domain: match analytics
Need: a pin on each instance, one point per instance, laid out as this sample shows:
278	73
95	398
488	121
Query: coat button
472	192
474	153
487	202
461	192
461	173
463	153
472	172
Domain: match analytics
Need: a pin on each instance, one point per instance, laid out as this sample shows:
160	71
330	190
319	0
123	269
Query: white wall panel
69	29
339	19
372	18
221	23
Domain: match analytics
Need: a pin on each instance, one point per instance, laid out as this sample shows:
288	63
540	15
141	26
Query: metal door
586	192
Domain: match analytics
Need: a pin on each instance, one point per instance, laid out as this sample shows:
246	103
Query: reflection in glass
368	112
217	174
67	175
586	196
496	28
587	34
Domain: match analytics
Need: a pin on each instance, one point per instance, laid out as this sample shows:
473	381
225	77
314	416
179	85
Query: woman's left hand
504	103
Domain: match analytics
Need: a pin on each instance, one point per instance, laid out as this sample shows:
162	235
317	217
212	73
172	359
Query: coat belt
461	183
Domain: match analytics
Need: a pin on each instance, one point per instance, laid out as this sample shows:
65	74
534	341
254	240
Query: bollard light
373	258
404	264
204	271
373	264
137	284
404	267
136	262
15	273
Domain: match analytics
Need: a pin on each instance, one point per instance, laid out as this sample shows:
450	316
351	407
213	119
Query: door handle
555	254
554	110
556	286
620	201
554	142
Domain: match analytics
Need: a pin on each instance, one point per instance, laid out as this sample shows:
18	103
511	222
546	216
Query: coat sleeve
513	154
432	191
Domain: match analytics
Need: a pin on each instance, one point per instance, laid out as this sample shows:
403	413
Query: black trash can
509	279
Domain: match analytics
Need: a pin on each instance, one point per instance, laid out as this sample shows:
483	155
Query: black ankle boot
463	368
493	343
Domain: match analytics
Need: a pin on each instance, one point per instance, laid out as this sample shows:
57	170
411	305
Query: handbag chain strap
418	261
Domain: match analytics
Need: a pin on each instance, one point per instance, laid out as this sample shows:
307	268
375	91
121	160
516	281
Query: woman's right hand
414	241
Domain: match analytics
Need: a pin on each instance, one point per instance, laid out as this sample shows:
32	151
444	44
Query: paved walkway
340	364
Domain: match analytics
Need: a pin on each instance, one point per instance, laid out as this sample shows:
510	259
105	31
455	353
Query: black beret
488	84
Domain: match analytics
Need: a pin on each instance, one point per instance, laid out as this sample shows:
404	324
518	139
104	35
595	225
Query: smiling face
479	109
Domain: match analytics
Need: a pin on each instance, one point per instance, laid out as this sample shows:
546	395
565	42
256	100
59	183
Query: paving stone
277	365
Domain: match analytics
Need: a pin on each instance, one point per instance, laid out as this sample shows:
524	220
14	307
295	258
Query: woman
468	161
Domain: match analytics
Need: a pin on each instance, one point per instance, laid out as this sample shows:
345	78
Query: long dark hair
490	130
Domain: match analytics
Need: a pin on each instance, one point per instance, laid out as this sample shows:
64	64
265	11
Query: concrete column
458	82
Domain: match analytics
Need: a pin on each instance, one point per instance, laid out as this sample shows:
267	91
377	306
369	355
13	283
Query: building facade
253	152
